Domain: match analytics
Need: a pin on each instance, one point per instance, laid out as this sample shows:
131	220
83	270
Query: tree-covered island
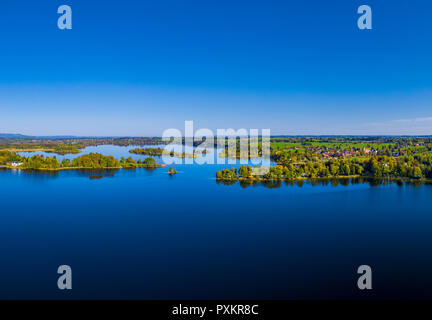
172	171
161	152
10	160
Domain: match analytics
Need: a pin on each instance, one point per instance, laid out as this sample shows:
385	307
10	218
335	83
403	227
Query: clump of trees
35	162
6	156
148	151
128	162
226	174
38	162
149	162
95	161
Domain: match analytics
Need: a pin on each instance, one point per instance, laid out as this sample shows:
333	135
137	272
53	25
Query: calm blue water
143	234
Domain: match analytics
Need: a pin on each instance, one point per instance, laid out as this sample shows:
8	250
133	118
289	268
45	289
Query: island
10	160
161	152
172	171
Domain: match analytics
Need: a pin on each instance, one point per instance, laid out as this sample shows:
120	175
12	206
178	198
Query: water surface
142	234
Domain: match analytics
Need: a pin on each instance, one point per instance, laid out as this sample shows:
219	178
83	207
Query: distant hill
21	136
13	136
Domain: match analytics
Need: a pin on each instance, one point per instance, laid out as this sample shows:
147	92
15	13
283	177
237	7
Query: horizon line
23	136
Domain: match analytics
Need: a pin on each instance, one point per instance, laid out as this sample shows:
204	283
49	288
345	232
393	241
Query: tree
243	171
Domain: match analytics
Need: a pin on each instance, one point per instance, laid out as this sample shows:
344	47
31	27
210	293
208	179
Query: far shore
48	150
28	150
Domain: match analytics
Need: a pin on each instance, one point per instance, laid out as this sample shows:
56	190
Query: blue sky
140	67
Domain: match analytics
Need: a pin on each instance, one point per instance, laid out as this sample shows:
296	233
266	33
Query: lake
141	234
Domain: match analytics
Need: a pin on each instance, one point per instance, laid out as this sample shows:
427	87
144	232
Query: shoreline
82	168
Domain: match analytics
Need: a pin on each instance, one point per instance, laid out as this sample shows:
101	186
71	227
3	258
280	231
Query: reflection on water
85	173
322	182
92	174
97	177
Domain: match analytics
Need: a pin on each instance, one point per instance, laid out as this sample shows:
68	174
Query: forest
292	168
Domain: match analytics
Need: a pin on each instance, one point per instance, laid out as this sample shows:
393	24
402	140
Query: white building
15	163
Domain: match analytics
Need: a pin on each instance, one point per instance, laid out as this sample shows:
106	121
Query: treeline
354	139
60	147
413	167
148	151
92	161
7	156
148	162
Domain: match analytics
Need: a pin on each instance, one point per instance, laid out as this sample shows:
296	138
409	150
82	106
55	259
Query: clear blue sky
140	67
